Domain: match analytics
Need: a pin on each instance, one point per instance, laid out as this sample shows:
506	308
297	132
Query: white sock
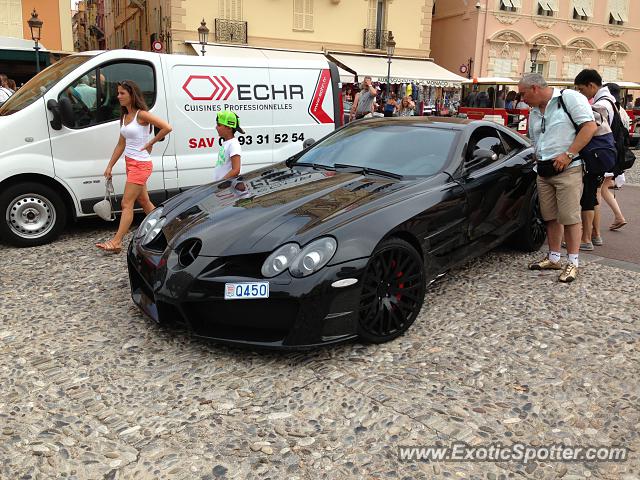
573	258
555	256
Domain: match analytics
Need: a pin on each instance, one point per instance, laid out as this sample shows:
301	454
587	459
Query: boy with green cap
228	163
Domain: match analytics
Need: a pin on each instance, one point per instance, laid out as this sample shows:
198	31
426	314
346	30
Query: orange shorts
138	171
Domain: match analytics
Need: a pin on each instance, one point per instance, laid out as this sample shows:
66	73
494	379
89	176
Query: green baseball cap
230	119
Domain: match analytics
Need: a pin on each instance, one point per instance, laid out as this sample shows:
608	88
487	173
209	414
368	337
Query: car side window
95	102
511	144
485	138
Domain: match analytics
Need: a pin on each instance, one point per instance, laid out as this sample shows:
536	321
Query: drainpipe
484	35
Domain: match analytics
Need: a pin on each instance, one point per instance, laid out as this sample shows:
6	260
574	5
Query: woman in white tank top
136	142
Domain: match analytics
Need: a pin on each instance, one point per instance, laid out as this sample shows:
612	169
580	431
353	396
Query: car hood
267	207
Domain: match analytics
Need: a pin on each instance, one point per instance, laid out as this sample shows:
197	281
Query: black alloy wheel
393	289
533	233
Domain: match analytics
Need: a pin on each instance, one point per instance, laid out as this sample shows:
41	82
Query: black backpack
625	158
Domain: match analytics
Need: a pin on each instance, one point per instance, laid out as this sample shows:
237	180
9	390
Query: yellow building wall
337	24
66	29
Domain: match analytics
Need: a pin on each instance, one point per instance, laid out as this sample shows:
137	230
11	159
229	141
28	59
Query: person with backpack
589	83
557	145
611	179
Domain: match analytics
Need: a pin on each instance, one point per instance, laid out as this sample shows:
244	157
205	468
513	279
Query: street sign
157	46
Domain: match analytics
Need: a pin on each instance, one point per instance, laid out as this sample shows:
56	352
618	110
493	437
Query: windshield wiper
314	165
369	171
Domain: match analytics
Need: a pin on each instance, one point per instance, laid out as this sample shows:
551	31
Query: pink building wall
499	41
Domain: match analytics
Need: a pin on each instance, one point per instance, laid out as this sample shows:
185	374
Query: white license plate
246	290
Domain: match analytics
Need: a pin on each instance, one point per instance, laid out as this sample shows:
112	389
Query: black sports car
339	241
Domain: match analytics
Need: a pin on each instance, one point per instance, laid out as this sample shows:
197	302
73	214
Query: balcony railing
375	39
231	31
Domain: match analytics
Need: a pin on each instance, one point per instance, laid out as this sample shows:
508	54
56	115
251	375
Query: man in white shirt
559	167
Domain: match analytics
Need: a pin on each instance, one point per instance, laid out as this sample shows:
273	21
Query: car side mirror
480	158
308	143
66	112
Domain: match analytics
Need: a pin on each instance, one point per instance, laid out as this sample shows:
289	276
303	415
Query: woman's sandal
109	247
617	225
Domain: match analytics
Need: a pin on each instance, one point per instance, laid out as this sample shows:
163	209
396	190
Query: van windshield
41	83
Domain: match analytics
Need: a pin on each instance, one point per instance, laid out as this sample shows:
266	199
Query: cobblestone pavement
91	389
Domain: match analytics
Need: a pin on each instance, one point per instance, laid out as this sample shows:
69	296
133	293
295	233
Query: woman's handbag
104	208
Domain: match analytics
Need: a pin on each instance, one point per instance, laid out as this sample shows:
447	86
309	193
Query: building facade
495	37
337	25
88	26
56	29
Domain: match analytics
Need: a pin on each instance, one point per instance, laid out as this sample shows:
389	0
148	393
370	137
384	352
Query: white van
58	131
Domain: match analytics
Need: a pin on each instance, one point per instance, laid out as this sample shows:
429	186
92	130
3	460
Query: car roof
444	122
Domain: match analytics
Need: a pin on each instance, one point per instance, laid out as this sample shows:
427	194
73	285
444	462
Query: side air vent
189	251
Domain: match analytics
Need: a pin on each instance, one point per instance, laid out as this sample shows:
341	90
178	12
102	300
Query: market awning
403	70
20	50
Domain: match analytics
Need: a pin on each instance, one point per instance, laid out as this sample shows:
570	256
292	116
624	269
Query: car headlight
151	226
313	257
279	261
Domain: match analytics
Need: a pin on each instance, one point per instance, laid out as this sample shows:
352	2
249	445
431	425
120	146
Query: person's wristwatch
571	155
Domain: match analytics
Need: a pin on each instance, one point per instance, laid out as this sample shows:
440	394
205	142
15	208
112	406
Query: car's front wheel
32	214
393	289
533	233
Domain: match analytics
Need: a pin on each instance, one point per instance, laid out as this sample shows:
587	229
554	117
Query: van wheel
32	214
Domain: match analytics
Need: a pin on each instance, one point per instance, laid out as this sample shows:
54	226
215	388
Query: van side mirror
307	143
66	112
54	108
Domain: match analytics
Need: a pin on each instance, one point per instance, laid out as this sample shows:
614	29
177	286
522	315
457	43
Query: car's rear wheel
33	214
393	289
533	233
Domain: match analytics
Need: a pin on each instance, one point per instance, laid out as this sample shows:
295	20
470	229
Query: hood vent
188	252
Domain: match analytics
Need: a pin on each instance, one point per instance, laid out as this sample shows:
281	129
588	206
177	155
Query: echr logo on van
204	87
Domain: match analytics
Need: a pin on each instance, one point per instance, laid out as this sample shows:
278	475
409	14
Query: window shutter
298	14
308	15
236	7
553	66
372	18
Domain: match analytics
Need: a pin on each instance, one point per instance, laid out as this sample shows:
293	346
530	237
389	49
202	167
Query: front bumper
299	313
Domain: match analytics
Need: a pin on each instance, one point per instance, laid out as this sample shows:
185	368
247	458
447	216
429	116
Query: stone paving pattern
92	389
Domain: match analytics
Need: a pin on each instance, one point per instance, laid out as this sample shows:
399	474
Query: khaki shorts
560	196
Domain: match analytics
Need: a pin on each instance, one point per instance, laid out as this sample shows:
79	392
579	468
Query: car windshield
41	83
397	147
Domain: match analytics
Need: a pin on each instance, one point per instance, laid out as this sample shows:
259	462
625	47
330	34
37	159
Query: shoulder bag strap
564	107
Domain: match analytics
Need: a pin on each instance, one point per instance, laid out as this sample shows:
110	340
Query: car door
82	151
489	184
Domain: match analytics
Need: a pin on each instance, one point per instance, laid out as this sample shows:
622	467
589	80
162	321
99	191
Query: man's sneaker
597	241
586	247
545	264
569	273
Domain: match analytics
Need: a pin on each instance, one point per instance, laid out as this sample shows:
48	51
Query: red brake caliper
398	275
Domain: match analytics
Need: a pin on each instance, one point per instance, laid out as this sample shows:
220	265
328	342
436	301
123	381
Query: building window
230	9
538	68
618	12
545	8
303	15
507	6
582	10
577	15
